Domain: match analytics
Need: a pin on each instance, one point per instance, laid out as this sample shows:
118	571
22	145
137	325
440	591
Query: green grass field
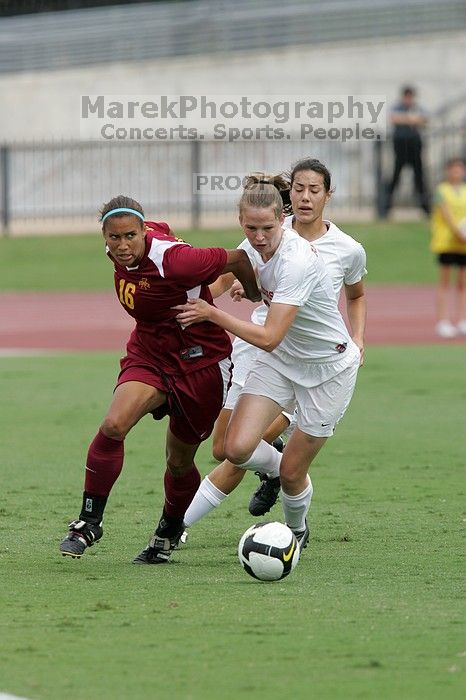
375	608
396	253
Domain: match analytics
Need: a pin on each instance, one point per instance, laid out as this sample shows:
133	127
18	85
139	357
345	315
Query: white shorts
233	395
320	404
293	422
243	357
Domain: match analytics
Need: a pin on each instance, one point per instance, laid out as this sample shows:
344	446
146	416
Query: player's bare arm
221	285
356	309
266	337
239	264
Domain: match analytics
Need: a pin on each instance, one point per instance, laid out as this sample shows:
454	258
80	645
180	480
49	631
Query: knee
236	452
218	450
291	476
177	465
114	428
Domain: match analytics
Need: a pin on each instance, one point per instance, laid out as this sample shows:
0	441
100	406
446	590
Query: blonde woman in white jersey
306	193
305	356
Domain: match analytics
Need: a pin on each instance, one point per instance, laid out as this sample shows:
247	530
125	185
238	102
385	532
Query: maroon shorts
194	400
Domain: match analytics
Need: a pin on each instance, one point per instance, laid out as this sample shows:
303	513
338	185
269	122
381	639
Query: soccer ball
268	551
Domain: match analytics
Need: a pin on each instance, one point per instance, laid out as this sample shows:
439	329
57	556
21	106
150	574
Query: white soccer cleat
445	329
461	327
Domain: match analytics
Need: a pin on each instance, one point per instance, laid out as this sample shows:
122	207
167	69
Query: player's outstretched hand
194	311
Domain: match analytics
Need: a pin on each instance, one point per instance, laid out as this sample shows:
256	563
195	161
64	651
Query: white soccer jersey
344	257
296	275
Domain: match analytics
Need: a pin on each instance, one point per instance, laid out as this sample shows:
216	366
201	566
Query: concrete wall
46	106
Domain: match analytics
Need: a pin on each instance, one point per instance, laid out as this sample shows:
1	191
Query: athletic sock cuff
308	490
211	493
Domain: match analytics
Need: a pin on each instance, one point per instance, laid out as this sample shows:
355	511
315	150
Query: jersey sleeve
194	266
356	268
296	282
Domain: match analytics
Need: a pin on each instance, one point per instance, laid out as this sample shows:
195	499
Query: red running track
80	321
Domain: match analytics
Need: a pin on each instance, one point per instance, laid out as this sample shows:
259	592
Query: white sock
265	459
295	508
206	498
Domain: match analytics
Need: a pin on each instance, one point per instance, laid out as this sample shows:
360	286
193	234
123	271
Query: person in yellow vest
449	242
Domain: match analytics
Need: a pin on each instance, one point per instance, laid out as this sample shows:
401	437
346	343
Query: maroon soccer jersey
169	273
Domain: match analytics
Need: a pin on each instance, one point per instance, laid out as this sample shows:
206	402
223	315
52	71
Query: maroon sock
104	464
179	491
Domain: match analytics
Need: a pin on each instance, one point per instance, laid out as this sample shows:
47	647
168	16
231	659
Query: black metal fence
198	182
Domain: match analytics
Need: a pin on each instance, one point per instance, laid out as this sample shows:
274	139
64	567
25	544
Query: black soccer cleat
265	496
80	536
279	444
303	537
165	539
158	551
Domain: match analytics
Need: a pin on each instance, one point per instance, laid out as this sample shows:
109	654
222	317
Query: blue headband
121	209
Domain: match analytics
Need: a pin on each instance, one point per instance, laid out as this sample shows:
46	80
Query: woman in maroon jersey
184	373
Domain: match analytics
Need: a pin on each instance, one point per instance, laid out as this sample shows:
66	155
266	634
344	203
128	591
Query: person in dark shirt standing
408	121
168	369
